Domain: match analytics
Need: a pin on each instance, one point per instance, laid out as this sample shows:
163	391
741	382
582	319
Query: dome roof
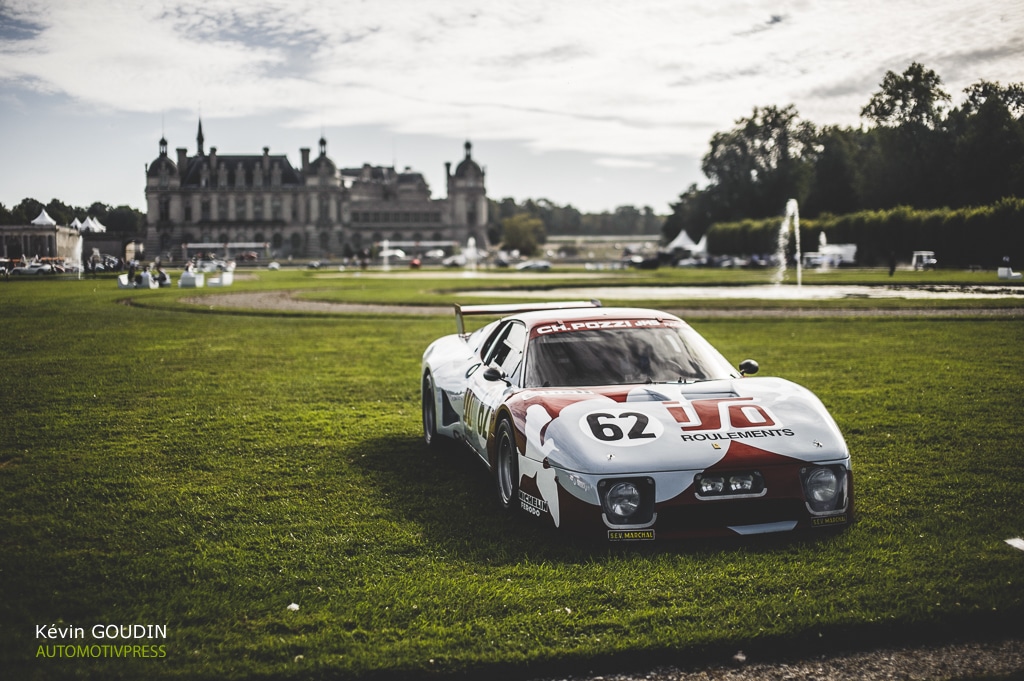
162	161
468	167
322	163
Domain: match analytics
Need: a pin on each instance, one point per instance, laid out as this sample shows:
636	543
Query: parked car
534	266
33	268
626	424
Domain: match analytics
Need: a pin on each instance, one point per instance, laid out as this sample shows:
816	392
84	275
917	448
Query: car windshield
622	356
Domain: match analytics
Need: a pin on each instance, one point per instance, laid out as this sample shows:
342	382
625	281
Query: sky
591	103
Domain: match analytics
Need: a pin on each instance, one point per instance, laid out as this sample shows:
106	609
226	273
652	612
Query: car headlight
711	484
739	485
824	488
627	501
623	499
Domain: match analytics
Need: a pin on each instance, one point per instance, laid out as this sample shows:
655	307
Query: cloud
614	79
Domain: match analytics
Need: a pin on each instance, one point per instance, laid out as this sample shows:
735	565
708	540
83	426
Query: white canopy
44	219
684	242
76	223
91	224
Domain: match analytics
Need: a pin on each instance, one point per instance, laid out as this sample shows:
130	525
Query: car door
485	390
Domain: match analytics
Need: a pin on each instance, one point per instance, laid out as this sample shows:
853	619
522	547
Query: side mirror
748	366
493	374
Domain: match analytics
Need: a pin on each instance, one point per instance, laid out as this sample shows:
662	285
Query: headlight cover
729	485
623	499
627	501
824	488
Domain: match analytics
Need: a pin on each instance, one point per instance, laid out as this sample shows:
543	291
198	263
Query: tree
988	156
125	221
1011	96
26	211
914	148
692	213
836	173
755	167
912	98
61	212
522	233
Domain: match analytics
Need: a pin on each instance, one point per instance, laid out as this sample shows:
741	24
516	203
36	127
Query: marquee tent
91	224
44	219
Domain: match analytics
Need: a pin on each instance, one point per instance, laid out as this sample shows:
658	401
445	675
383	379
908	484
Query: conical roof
44	219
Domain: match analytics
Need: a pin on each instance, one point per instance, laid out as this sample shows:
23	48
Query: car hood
673	427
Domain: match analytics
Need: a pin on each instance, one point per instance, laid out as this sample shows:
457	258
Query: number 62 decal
621	427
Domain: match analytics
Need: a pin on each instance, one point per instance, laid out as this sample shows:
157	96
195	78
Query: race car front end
721	459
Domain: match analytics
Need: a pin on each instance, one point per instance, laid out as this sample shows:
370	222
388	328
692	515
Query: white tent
91	224
684	242
76	224
44	219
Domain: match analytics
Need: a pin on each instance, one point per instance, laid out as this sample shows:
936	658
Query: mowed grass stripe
205	471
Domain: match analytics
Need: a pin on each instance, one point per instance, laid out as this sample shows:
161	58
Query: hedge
962	237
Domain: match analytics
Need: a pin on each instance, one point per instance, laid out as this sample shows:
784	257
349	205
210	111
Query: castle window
257	208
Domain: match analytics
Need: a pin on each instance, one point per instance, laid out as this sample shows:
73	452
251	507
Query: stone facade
315	211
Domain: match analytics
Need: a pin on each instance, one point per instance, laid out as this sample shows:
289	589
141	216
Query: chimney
213	158
305	158
182	160
266	158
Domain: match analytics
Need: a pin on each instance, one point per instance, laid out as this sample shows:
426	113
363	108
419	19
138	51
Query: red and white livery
626	424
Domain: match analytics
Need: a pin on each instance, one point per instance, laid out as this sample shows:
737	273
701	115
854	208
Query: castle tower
467	196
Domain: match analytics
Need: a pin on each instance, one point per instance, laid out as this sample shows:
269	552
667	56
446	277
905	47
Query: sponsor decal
738	435
630	535
532	504
831	520
711	420
734	418
562	327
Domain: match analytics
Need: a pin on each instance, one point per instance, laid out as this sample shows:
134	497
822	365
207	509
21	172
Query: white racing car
626	424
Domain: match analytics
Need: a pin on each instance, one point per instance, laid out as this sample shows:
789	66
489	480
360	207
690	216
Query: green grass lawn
204	471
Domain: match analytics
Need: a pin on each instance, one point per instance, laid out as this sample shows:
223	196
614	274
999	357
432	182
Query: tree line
525	226
914	150
122	221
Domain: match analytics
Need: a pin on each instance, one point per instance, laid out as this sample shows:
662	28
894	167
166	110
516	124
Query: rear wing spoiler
514	308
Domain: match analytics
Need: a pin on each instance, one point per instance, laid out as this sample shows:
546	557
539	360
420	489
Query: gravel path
1004	659
288	300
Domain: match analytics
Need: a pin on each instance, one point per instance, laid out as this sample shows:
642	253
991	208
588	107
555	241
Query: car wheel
506	466
430	434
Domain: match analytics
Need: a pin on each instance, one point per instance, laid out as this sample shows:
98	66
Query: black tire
430	434
506	466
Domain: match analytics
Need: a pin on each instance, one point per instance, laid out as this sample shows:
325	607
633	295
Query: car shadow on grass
450	495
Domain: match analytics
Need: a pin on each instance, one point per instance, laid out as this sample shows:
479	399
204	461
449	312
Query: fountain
472	256
792	217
